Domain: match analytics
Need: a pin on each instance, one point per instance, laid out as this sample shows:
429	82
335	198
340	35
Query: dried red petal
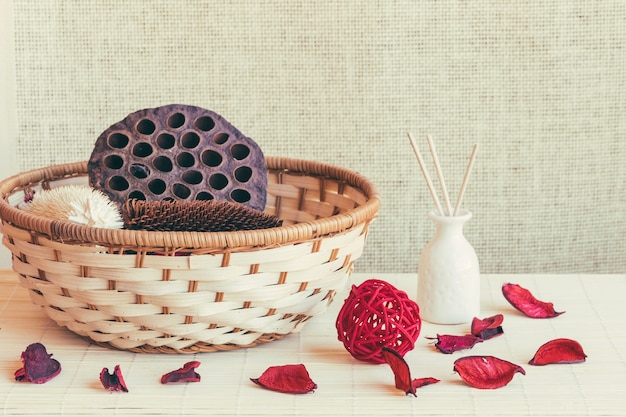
292	379
402	373
559	351
422	382
185	374
488	327
486	372
39	367
448	343
524	301
114	381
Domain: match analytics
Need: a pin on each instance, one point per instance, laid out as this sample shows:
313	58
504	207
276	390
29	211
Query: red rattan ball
374	315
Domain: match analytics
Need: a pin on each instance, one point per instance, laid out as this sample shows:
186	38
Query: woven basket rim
66	231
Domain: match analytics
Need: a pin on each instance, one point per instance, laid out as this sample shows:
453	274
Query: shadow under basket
188	292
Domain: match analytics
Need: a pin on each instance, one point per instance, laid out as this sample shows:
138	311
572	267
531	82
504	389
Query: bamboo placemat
594	317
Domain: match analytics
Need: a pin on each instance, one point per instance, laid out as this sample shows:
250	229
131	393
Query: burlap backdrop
540	85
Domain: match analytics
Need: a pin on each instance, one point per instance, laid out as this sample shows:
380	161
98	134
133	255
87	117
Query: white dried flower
78	204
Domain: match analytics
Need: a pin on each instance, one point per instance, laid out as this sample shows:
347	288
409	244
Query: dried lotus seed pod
178	152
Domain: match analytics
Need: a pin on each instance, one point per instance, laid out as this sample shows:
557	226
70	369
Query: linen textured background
540	85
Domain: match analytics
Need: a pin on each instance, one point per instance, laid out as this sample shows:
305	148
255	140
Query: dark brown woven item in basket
186	292
194	216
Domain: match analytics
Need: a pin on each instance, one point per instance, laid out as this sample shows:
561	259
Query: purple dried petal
39	367
20	375
488	327
114	381
292	379
524	301
559	351
447	343
185	374
486	372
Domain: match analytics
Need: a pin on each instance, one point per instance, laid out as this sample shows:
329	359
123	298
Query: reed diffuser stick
442	182
429	183
465	178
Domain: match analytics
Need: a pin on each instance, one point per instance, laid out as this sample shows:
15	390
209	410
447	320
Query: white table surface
595	316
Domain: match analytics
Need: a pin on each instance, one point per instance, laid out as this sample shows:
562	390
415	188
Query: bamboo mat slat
594	316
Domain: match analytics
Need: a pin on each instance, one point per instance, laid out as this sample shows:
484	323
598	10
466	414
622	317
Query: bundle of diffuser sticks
448	211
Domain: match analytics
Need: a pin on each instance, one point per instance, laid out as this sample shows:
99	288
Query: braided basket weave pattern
186	292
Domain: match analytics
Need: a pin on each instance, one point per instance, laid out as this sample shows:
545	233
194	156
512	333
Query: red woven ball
374	315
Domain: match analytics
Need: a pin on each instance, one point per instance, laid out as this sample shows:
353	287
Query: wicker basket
187	292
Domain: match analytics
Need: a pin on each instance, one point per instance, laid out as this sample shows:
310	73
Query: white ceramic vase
448	289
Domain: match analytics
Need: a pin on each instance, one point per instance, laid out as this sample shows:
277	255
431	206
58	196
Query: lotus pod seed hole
157	186
203	195
165	141
218	181
204	123
163	163
192	177
243	174
240	196
211	158
146	127
137	194
220	138
185	160
190	140
142	149
139	171
176	120
118	183
239	151
113	162
118	140
181	191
